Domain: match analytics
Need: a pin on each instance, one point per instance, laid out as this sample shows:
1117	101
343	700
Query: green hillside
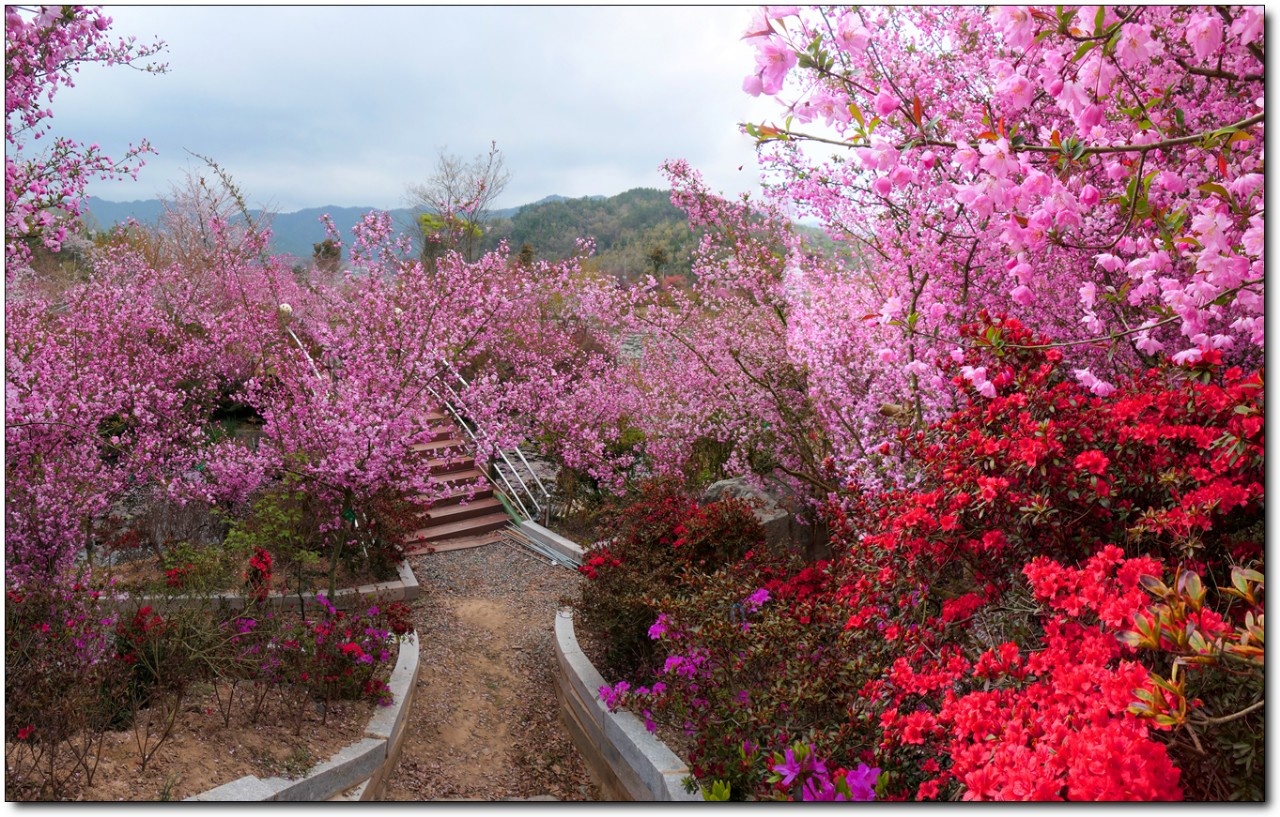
636	232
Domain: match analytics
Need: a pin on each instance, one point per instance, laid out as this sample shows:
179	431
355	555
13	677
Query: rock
775	506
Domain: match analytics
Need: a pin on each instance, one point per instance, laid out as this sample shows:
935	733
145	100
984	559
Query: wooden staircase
469	514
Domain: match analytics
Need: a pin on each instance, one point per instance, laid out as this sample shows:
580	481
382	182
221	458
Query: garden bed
626	761
203	751
182	693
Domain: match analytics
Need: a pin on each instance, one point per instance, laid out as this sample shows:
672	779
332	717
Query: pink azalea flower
997	158
885	103
1204	35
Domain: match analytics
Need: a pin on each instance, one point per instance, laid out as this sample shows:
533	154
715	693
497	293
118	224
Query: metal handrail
519	453
466	426
286	315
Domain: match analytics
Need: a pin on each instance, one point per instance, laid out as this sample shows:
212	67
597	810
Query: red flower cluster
258	577
601	559
177	576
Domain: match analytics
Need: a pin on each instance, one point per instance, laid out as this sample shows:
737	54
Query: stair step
438	466
442	431
439	514
459	479
435	447
473	525
454	543
471	491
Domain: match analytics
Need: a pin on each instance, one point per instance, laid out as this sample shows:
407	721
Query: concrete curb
405	588
625	759
553	540
365	764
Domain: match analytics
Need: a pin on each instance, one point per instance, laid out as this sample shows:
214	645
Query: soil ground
484	724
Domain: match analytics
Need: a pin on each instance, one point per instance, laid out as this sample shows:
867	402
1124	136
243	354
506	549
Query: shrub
618	602
717	534
62	686
1027	621
340	655
665	544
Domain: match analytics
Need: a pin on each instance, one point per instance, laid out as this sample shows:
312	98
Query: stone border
364	765
403	589
553	540
625	759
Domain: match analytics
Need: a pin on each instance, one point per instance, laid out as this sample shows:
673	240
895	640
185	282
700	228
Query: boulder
776	507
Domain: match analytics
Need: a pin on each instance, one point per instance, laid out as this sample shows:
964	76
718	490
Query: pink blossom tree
1096	172
44	48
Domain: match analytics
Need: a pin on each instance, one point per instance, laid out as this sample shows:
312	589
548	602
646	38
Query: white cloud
346	105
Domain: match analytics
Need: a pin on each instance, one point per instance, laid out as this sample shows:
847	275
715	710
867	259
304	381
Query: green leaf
1196	641
1098	20
856	113
1216	189
1131	638
1084	48
1153	585
719	791
1189	585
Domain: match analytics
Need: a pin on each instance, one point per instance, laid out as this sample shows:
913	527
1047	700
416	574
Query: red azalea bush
342	655
663	541
717	534
1002	629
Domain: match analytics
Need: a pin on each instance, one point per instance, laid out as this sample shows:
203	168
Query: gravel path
485	722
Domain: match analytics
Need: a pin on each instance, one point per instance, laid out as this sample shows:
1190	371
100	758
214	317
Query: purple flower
611	695
756	600
862	782
659	627
789	768
819	788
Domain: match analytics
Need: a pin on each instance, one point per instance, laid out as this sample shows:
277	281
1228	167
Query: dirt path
485	724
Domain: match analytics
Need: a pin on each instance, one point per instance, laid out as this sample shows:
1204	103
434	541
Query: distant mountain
103	214
626	227
291	233
636	232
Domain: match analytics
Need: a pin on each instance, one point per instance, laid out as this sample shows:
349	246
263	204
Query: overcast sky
314	106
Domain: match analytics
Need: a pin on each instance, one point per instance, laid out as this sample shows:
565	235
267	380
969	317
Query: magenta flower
659	627
790	768
862	782
756	600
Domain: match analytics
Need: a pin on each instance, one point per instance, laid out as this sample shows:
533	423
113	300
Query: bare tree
207	196
455	201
